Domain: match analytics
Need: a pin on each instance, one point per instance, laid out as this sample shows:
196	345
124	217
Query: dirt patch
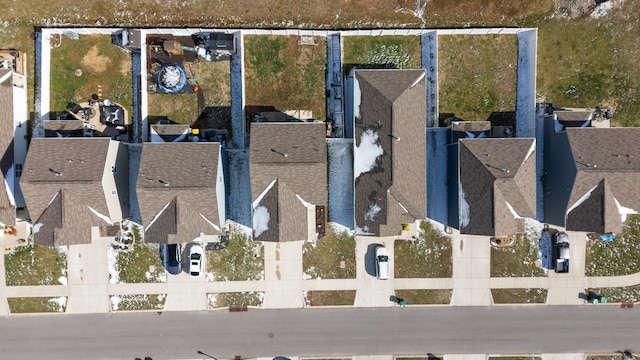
94	61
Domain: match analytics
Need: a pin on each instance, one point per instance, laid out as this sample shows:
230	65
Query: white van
382	263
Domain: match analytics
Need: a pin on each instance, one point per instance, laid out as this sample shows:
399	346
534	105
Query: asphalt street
322	332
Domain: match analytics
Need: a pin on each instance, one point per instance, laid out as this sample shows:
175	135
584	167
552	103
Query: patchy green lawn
616	356
477	74
332	257
388	52
179	108
104	67
37	304
285	75
618	294
142	264
618	257
36	265
598	59
425	297
330	298
519	296
242	260
137	302
519	260
429	256
515	358
220	300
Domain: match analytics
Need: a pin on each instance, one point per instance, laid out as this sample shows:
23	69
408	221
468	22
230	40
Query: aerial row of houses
73	187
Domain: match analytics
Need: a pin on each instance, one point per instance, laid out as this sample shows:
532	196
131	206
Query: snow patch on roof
582	199
259	198
260	220
624	211
306	204
515	214
101	216
531	150
464	208
9	183
366	155
372	212
156	216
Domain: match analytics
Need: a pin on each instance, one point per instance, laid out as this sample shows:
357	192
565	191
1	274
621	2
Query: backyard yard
388	52
618	257
36	265
89	65
332	257
477	75
428	256
282	74
213	78
241	260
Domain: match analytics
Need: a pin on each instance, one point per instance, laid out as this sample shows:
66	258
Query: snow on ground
534	232
366	155
61	302
212	299
602	9
340	211
112	267
62	280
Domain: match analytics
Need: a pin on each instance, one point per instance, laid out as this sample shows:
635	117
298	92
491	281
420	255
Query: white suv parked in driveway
382	263
195	260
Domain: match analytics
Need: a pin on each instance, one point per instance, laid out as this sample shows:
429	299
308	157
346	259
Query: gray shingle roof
7	210
393	111
177	184
61	182
495	176
63	128
608	169
294	154
171	132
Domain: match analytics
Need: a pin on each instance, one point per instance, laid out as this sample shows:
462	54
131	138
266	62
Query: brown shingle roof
61	182
177	184
572	115
287	214
7	210
63	128
496	174
294	154
608	168
393	111
171	132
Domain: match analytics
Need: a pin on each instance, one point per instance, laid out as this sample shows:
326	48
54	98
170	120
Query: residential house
496	185
181	192
71	185
7	201
170	132
288	169
591	177
389	150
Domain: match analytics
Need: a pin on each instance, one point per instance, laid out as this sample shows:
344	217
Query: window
18	170
114	169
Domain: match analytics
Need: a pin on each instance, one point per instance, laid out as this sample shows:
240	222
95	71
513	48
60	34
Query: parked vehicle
195	260
382	263
561	252
173	258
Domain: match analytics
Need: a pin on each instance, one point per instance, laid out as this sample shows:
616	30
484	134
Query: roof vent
165	183
58	173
